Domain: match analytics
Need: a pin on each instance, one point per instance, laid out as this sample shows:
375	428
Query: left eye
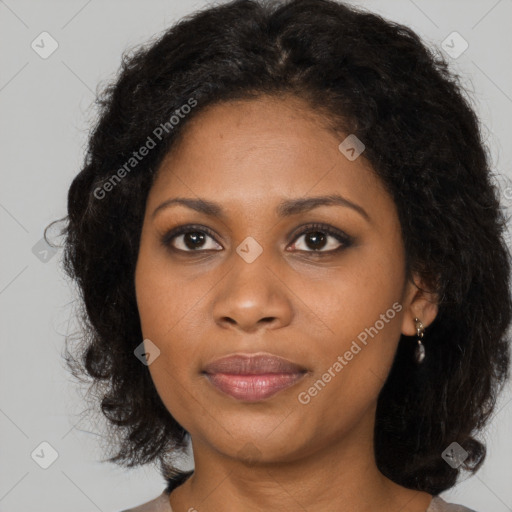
316	239
192	239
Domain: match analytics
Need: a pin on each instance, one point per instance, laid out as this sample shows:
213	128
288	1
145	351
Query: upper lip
252	364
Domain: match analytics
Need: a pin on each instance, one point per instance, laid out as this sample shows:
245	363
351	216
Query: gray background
45	115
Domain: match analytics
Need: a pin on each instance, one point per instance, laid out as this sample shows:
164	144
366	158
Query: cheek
353	363
168	308
162	298
358	295
163	306
362	308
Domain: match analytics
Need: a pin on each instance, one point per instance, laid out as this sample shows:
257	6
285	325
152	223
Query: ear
419	302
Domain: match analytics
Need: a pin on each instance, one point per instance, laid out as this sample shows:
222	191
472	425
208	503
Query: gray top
161	504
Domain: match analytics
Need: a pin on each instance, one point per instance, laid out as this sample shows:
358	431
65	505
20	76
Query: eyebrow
286	208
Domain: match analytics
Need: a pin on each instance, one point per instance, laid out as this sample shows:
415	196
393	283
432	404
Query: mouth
253	377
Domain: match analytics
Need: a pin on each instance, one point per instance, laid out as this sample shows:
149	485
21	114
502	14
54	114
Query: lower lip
252	388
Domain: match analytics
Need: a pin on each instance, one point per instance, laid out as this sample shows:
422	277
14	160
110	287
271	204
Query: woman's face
250	277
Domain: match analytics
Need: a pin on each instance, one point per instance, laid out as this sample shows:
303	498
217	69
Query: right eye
190	238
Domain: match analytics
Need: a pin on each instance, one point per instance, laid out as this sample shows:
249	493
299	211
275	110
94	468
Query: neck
340	475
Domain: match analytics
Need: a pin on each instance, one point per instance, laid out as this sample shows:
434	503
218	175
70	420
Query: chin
261	437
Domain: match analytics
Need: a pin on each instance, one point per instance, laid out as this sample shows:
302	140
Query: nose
252	296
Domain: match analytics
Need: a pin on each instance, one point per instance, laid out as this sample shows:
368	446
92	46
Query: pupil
194	237
315	237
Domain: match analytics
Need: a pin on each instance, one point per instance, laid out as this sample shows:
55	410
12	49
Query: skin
248	156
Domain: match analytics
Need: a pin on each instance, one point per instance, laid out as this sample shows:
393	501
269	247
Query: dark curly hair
366	76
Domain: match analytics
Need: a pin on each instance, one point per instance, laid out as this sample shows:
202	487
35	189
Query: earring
419	354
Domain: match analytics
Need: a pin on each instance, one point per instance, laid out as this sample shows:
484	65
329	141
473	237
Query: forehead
259	151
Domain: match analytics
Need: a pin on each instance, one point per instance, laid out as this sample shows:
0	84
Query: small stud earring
419	354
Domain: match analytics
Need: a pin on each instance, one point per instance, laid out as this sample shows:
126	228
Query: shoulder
159	504
440	505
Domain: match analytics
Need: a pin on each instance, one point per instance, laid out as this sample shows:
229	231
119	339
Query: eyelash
344	239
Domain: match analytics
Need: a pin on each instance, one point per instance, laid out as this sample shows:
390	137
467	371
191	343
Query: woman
291	255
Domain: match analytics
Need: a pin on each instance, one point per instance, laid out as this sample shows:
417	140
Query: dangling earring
419	354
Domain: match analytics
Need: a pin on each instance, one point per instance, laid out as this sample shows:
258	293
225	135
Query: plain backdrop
44	117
